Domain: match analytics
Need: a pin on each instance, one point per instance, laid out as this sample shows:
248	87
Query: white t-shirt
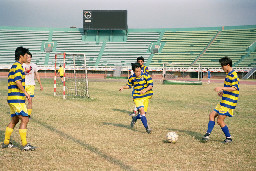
30	70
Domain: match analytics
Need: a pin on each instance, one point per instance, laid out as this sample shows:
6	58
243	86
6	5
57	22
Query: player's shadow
15	144
196	135
85	145
121	110
121	126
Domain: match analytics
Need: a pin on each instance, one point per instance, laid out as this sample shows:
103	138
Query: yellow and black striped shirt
15	95
229	98
144	69
139	84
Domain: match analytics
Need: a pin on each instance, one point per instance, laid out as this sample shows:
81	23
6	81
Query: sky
141	13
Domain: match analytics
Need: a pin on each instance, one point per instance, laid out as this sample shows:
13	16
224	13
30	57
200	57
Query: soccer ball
172	137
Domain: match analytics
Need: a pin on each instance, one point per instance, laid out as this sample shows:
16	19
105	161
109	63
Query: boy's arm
146	89
19	84
124	87
39	81
217	89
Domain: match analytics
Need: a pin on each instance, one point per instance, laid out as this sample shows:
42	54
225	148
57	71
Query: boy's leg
143	115
31	91
9	129
224	128
29	106
23	134
211	124
23	129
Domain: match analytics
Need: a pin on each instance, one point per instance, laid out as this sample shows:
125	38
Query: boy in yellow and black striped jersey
229	94
144	69
16	100
143	85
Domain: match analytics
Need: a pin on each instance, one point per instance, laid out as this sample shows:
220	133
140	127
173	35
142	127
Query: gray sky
141	13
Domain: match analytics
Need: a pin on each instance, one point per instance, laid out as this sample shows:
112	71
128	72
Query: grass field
95	134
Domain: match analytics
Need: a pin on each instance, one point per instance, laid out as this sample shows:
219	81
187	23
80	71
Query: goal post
75	81
182	73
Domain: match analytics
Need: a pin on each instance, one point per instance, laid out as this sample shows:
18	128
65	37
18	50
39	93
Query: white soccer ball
172	137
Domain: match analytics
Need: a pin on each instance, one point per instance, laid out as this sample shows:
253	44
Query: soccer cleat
28	147
10	145
148	131
206	137
227	140
133	121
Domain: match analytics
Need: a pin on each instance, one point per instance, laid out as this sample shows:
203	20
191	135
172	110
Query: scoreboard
105	20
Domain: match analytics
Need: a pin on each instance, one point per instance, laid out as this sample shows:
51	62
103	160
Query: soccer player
61	72
143	85
16	100
225	108
144	69
30	72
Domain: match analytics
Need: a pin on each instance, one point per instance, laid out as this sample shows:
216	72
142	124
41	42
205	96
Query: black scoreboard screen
105	20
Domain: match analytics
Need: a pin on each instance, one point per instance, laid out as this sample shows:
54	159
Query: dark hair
29	53
20	51
140	58
225	61
135	65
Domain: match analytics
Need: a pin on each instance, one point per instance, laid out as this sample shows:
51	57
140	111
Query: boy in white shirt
31	70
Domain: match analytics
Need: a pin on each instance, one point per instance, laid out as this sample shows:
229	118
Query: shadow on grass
15	144
123	111
121	126
196	135
86	146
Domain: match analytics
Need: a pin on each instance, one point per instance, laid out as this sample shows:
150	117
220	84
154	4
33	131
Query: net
75	80
182	73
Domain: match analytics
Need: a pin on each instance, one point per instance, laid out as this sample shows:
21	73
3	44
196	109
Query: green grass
95	134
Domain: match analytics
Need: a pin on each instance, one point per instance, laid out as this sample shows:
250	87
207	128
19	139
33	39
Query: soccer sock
23	136
8	133
210	126
226	131
29	111
144	121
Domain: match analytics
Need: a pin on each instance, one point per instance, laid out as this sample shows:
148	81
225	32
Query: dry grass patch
95	134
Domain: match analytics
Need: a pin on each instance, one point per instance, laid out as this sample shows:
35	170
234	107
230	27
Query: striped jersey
229	98
144	69
15	95
139	84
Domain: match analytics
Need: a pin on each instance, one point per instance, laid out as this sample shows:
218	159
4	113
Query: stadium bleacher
180	47
232	43
10	39
125	53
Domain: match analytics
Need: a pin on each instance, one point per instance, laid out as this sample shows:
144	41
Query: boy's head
140	60
136	67
226	63
29	57
21	53
60	66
